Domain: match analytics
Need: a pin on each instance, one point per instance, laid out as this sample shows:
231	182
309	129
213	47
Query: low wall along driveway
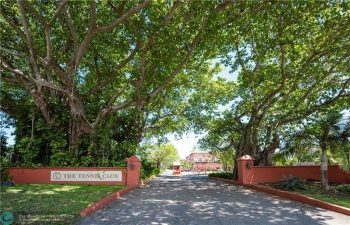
78	175
250	174
129	175
275	173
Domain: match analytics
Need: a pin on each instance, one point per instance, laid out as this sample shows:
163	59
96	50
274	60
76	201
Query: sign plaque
86	176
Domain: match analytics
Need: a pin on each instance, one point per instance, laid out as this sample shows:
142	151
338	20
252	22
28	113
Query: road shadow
195	199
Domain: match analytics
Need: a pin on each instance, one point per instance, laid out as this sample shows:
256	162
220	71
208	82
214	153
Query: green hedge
225	175
148	170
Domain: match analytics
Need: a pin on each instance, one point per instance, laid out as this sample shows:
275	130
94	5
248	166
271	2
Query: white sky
187	143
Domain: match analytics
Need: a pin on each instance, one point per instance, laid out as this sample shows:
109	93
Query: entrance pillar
245	169
176	168
134	171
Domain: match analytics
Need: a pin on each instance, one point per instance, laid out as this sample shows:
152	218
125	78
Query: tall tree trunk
74	138
265	157
324	169
248	145
245	147
78	127
235	171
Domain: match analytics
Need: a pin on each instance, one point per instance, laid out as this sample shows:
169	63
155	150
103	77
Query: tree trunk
245	147
265	157
78	127
324	169
74	138
235	171
248	145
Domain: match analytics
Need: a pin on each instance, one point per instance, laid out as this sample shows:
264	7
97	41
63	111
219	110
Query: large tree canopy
96	67
100	75
293	61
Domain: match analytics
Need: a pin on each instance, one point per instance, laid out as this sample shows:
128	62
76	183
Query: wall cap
246	157
68	168
134	159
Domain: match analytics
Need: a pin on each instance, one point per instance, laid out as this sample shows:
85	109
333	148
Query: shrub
5	175
148	169
343	188
224	175
292	183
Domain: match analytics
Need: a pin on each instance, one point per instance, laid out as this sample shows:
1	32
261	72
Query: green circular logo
6	218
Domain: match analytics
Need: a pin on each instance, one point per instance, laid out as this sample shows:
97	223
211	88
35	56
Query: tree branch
85	43
13	81
6	65
73	33
14	26
118	67
18	54
46	28
116	95
28	38
93	17
182	64
40	102
64	78
107	110
124	17
313	109
268	101
309	91
223	6
60	7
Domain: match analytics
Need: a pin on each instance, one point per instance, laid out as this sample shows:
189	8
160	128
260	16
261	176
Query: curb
291	196
110	198
106	200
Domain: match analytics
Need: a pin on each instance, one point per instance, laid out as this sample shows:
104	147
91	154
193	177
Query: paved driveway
195	199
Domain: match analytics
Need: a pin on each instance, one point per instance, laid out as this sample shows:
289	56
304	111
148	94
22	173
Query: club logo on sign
56	175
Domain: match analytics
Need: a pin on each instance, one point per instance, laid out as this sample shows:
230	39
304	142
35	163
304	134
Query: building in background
201	161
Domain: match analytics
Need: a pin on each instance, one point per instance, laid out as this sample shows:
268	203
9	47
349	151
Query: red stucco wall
275	173
42	175
260	174
130	174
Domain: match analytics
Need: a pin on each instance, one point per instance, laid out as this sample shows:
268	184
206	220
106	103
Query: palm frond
343	157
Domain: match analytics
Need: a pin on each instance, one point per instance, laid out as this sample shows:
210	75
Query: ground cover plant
50	203
291	183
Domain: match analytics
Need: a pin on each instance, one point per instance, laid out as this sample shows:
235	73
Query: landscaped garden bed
51	203
338	194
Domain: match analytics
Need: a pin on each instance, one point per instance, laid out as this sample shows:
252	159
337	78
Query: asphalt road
192	199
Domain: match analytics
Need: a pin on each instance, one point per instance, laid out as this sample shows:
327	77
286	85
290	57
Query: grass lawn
50	203
332	195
